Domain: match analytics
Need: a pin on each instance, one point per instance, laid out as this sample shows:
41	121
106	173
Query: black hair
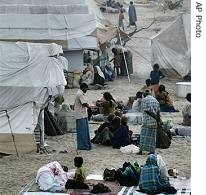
148	82
78	160
146	93
114	50
65	168
108	97
188	97
131	2
156	66
139	94
83	86
161	88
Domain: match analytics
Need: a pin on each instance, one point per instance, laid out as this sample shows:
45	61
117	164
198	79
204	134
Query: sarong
148	139
83	136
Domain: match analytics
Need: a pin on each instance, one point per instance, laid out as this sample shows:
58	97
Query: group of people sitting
114	131
92	75
152	177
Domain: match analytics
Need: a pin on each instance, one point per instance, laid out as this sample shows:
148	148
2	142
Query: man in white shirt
81	115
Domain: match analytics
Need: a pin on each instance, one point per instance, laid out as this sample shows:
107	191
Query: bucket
183	88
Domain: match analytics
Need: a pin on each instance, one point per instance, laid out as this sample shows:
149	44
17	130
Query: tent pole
125	62
12	133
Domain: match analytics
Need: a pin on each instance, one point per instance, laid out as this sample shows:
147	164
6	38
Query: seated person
186	112
106	105
148	86
166	104
79	178
121	135
88	75
105	131
109	72
99	78
52	177
136	106
151	181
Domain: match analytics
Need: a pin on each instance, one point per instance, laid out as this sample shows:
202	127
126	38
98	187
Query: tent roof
51	20
40	2
171	47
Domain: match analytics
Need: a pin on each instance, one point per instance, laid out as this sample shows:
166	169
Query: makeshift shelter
74	24
171	48
29	77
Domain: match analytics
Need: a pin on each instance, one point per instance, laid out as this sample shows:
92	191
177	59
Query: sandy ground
17	172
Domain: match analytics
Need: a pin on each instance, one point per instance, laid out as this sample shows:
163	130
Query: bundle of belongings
52	177
163	137
128	175
66	119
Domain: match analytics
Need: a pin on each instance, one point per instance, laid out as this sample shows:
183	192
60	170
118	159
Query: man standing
149	124
132	15
81	115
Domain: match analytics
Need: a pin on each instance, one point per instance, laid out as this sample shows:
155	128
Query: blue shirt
155	76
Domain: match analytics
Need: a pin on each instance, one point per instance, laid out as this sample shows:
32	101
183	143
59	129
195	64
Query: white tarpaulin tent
171	48
28	76
74	24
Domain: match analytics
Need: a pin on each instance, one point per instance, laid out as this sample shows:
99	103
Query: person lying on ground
107	105
151	181
166	103
122	136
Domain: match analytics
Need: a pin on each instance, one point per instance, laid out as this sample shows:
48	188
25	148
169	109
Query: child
79	177
155	76
79	172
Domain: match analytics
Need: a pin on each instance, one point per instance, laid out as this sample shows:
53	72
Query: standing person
117	60
149	124
121	18
81	115
155	76
132	15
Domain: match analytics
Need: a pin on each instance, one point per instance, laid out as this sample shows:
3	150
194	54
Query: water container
183	88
